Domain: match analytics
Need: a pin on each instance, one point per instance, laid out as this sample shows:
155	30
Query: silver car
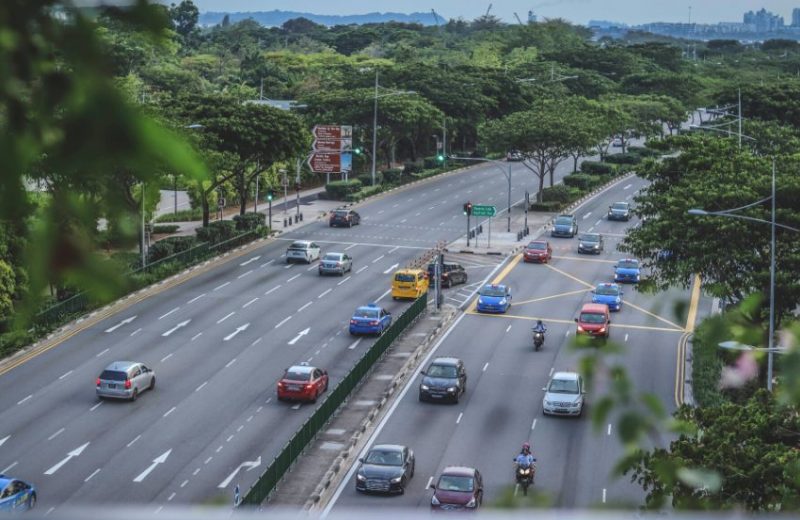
335	263
302	251
564	394
125	380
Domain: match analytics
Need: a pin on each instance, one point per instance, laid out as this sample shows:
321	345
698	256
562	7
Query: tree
184	17
7	290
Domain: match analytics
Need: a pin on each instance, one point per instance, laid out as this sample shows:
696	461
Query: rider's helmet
539	323
526	448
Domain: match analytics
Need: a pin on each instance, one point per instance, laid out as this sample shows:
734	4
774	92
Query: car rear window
591	317
367	313
455	483
292	375
298	245
333	257
402	277
113	375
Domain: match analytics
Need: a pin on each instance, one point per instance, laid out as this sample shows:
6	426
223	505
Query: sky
576	11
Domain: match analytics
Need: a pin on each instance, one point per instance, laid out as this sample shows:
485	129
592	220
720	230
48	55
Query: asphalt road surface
502	407
218	343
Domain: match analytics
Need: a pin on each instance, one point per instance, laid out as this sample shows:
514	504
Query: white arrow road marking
159	460
2	441
382	296
237	331
250	465
627	187
251	260
120	324
74	453
355	344
176	309
379	258
392	268
299	335
176	327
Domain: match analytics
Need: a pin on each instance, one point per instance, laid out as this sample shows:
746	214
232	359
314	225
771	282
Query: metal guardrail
271	476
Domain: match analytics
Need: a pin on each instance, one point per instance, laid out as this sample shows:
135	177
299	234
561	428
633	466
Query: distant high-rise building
763	20
531	17
796	17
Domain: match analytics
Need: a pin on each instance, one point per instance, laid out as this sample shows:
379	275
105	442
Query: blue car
610	294
370	319
16	495
494	298
627	270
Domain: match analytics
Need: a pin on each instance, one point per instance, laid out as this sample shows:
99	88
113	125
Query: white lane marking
552	369
628	197
392	268
591	229
3	441
158	460
120	324
311	268
239	428
417	214
404	221
432	207
195	298
7	469
300	335
226	317
259	409
296	407
265	264
158	510
304	307
283	321
65	375
250	418
169	499
533	425
250	261
176	327
343	281
95	407
208	460
485	366
195	472
95	472
361	269
460	415
197	336
598	222
604	495
566	334
350	247
395	205
103	352
232	361
56	434
251	302
166	357
392	250
170	411
239	329
74	453
170	312
135	332
183	484
219	449
134	440
379	258
587	215
256	342
626	337
355	344
50	511
627	187
289	266
381	211
25	399
295	277
217	288
382	296
244	274
428	485
508	328
609	428
272	290
201	386
324	293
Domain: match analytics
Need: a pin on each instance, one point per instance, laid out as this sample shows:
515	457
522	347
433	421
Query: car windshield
564	221
592	317
340	213
563	386
605	290
294	375
538	246
620	205
455	483
384	458
367	313
590	238
447	371
333	257
493	291
628	264
298	245
403	277
113	375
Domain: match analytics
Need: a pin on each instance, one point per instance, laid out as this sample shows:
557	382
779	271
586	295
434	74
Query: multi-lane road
503	404
218	343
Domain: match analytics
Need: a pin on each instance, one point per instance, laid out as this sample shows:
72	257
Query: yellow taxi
409	283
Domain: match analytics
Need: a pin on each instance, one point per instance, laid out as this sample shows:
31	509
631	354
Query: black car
565	226
387	468
345	218
619	211
591	243
452	273
445	380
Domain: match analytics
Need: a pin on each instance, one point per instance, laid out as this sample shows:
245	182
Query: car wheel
350	224
449	283
421	398
314	399
326	386
152	383
32	501
135	394
403	486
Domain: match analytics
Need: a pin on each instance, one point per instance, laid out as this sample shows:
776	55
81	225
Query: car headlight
596	246
618	299
575	404
471	503
396	480
548	403
480	301
452	389
503	301
434	501
361	477
424	387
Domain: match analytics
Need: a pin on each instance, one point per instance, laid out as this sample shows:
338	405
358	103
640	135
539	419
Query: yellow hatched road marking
569	276
570	293
582	259
556	320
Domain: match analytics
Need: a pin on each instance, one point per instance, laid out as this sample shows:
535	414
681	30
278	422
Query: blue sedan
494	298
370	319
16	495
610	294
627	270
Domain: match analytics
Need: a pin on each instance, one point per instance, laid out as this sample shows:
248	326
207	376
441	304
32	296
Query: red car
458	488
538	251
302	383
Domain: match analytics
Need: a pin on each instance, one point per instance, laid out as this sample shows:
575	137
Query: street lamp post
507	173
375	118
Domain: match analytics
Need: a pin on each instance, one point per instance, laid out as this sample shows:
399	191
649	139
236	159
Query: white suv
302	251
564	394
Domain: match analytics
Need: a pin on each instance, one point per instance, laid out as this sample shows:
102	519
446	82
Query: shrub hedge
597	168
183	215
558	193
170	246
624	158
581	181
217	232
165	230
250	221
395	175
338	190
552	206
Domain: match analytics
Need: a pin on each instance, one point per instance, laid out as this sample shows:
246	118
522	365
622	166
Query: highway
218	343
503	404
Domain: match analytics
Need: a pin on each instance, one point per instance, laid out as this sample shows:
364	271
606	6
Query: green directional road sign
484	211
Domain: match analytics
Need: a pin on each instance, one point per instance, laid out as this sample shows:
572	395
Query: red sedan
538	251
302	383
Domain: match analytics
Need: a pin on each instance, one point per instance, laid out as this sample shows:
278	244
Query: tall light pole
375	118
506	172
730	213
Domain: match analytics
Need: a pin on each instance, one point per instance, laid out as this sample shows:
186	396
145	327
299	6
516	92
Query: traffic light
440	158
357	151
467	208
270	194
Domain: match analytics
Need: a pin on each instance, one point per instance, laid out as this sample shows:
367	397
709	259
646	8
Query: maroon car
538	251
458	488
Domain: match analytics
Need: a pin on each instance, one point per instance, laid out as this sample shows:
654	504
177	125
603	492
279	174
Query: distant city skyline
632	12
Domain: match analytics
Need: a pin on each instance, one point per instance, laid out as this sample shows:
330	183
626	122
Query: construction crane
435	17
487	10
517	17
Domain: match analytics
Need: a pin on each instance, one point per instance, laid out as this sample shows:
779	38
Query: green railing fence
283	461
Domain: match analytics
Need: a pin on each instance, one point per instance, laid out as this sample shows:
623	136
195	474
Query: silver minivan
125	380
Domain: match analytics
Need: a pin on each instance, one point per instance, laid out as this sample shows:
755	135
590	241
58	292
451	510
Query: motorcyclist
539	327
525	457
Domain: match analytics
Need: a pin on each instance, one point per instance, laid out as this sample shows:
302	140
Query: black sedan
387	468
591	243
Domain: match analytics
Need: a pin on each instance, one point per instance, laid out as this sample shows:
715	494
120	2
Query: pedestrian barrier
273	474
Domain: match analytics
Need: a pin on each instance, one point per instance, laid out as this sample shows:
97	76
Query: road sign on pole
333	132
333	145
484	211
325	162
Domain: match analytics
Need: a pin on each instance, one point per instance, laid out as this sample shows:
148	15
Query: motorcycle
525	476
538	340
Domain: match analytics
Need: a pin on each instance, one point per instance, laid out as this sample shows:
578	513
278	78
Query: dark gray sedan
335	263
387	468
591	243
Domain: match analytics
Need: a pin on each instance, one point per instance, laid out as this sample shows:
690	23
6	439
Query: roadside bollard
284	222
301	217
